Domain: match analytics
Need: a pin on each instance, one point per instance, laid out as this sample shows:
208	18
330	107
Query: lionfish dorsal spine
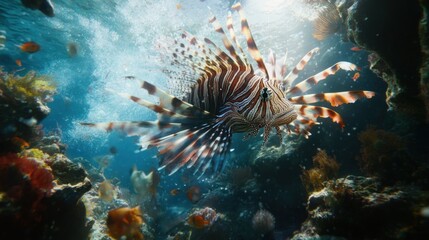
251	44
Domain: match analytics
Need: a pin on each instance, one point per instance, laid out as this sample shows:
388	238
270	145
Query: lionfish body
228	96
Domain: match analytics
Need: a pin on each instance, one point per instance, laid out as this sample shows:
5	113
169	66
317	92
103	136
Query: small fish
144	184
356	49
194	194
18	62
104	161
425	212
356	76
28	121
174	192
106	191
45	6
130	77
2	39
125	222
21	143
113	150
178	6
29	47
72	49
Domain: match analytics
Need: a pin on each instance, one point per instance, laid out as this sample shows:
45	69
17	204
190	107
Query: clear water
118	38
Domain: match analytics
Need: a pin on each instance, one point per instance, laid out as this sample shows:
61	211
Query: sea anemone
324	168
263	221
202	218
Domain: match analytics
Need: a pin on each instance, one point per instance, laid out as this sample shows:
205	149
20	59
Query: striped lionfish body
229	96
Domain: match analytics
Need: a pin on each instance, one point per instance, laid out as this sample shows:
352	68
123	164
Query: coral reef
23	105
34	198
97	212
361	208
324	169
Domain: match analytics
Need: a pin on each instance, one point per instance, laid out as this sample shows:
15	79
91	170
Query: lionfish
229	96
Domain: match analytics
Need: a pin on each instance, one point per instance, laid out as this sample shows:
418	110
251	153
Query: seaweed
324	168
384	155
27	88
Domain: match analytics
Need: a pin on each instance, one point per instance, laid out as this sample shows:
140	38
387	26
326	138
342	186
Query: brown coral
324	168
383	154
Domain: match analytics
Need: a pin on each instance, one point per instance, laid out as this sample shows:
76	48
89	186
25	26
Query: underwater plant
384	154
324	168
27	88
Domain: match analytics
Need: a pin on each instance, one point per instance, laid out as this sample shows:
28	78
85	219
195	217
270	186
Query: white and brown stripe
228	96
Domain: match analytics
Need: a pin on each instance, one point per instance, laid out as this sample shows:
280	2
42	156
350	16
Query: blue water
117	38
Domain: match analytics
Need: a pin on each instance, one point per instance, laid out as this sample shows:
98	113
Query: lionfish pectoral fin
335	99
131	128
200	147
308	83
311	113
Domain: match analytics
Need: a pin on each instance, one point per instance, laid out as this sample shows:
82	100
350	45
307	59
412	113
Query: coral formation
27	88
324	169
125	222
34	197
361	208
23	105
202	218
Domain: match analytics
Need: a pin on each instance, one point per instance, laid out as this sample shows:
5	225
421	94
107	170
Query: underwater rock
66	171
362	208
401	58
50	144
94	173
31	207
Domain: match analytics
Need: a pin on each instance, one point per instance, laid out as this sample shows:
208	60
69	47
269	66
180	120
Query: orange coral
25	182
125	222
325	168
202	218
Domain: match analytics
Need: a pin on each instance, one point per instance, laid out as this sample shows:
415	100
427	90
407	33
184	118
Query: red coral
19	172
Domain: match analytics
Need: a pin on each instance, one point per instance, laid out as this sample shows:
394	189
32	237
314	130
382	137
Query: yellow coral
324	169
33	153
27	87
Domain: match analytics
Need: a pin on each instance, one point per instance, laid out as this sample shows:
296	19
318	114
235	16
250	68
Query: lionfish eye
266	94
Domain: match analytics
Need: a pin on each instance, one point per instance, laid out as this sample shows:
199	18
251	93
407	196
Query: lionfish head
282	110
